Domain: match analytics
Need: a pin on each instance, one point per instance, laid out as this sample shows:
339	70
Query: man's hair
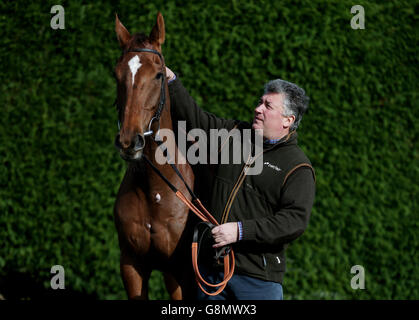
295	99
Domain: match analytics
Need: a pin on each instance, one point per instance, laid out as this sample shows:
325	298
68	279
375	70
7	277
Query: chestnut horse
149	218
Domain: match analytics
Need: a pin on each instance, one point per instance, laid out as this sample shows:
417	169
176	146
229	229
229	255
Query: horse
150	220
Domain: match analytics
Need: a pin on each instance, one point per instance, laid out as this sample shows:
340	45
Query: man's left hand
225	234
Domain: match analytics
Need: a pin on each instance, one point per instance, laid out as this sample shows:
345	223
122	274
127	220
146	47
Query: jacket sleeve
183	107
291	219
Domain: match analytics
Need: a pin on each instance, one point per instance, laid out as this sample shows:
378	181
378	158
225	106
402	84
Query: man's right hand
169	74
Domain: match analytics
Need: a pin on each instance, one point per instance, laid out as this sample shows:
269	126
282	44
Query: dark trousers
240	287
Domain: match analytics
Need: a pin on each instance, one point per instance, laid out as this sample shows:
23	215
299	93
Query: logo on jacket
269	165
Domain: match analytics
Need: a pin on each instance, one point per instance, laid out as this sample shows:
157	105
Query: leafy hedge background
59	171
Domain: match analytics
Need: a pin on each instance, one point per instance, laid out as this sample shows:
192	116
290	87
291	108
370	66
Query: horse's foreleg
135	278
172	286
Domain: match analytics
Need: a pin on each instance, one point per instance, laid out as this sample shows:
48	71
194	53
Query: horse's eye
159	75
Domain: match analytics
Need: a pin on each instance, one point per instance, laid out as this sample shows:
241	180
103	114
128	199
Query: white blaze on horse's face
134	64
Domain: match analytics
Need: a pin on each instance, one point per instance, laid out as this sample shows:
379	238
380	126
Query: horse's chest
153	222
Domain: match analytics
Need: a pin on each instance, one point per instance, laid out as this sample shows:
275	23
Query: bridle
162	101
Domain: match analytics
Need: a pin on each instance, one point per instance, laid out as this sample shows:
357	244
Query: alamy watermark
218	146
58	280
358	280
58	20
358	20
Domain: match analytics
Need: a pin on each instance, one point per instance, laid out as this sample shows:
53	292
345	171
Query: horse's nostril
133	145
123	143
139	142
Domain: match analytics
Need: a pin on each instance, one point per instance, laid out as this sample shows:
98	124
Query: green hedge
59	171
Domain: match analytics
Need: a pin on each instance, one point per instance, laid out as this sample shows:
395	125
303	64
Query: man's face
269	118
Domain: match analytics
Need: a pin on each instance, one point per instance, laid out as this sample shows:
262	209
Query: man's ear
121	33
157	34
288	121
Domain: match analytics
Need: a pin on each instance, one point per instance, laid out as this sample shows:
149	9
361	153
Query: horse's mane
139	40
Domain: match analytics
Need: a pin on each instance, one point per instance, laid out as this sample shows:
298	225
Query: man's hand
225	234
169	74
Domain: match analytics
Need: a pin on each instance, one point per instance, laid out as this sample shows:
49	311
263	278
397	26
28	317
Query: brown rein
202	213
195	205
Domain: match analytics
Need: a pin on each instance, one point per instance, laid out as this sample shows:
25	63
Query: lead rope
202	213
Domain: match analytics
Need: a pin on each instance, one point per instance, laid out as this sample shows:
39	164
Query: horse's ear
157	34
121	32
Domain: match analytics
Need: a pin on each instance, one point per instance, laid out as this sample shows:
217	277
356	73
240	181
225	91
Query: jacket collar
289	139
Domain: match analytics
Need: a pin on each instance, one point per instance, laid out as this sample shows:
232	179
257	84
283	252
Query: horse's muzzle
134	151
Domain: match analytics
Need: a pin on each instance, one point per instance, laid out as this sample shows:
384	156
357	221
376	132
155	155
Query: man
259	214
